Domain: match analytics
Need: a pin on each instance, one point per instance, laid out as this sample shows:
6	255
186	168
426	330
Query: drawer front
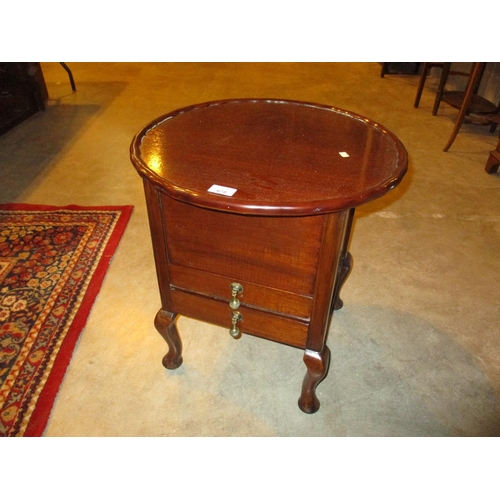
275	252
254	296
255	322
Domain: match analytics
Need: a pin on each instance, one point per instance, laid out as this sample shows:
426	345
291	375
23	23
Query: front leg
165	324
317	367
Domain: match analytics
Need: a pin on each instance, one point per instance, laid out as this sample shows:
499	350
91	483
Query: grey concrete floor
416	348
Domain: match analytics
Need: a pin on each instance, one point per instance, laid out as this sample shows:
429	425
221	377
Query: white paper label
225	191
344	154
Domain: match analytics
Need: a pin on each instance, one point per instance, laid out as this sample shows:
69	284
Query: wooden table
250	205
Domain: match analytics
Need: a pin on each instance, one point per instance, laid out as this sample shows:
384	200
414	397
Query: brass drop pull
236	288
234	330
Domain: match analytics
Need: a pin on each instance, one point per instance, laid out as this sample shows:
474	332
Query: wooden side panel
335	233
153	201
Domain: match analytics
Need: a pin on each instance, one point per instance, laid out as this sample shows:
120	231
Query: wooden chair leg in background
70	74
425	72
476	74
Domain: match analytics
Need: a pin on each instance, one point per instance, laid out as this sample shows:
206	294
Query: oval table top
269	157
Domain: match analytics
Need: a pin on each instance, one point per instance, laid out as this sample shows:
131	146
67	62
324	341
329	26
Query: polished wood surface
264	149
282	236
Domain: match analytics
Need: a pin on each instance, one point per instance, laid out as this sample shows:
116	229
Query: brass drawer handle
236	288
234	330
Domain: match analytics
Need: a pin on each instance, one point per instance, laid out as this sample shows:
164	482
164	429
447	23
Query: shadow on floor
398	375
391	374
34	145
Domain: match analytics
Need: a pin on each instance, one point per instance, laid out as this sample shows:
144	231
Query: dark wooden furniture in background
468	102
22	93
494	158
250	205
399	68
445	72
455	98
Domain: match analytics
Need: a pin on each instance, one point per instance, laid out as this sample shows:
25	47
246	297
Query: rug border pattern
36	418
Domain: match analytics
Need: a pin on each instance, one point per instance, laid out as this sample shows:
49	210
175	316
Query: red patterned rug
52	263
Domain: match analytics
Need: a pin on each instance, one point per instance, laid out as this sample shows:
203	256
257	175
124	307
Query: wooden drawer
255	322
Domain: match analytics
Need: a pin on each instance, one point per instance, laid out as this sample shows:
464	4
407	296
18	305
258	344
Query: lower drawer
263	324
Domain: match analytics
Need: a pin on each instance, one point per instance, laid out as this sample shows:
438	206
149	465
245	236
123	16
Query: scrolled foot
317	368
165	324
171	362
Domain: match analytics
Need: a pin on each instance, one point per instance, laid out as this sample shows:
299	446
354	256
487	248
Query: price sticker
224	191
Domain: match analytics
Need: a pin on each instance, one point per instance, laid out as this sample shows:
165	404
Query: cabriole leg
317	367
165	324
